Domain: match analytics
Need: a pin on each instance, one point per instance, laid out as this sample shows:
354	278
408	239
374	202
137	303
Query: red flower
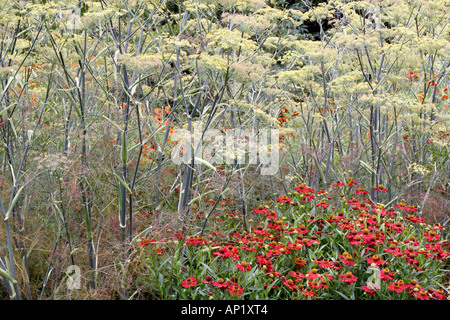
348	277
301	188
347	259
208	280
421	294
338	184
431	236
361	191
369	291
297	275
235	289
227	252
189	282
351	182
220	283
312	274
323	204
302	229
284	199
290	284
308	196
178	235
439	294
394	250
299	261
317	284
403	206
397	286
244	266
146	241
195	240
261	210
294	246
309	292
309	242
385	274
380	188
325	263
272	215
376	259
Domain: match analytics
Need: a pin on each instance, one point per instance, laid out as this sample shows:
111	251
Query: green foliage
95	96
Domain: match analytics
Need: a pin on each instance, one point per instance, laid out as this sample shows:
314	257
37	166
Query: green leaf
13	203
124	149
6	109
7	276
123	183
367	167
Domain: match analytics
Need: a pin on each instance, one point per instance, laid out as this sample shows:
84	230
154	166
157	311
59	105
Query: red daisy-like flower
195	240
221	283
284	199
297	275
261	210
289	283
146	241
308	292
189	282
431	236
414	219
309	242
394	250
361	191
376	259
272	215
368	290
347	259
421	294
397	286
301	188
302	229
227	252
235	289
244	266
312	274
299	261
295	246
208	280
325	263
353	201
439	294
386	274
380	188
315	284
178	235
397	226
348	278
308	196
323	204
338	184
351	182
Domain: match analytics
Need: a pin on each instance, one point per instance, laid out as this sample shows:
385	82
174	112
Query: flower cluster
330	253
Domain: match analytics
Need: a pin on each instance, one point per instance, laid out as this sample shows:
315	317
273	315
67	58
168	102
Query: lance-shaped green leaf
124	150
206	163
13	203
123	183
7	276
7	108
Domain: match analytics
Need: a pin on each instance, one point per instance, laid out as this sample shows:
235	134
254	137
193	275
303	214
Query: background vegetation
95	94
